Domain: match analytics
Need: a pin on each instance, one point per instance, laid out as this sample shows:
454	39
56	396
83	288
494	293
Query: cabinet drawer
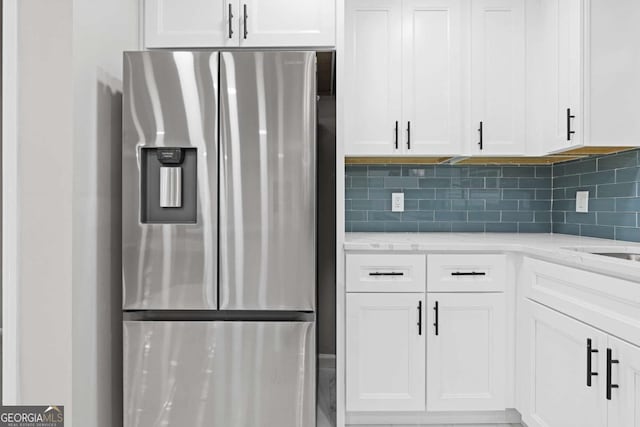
607	303
466	273
385	273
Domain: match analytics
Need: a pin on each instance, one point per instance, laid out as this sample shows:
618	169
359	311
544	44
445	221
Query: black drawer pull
230	21
396	140
246	16
468	273
610	361
569	117
419	317
590	351
391	273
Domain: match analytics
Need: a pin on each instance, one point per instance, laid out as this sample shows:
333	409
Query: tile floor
326	397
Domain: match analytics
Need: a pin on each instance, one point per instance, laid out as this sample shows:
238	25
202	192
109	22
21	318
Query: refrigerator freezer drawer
219	374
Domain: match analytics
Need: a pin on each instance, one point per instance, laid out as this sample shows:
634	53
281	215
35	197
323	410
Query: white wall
45	164
102	30
69	141
9	202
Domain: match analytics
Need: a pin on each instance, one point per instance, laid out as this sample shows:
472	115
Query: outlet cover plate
397	202
582	201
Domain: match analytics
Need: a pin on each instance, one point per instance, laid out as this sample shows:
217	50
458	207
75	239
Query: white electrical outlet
397	202
582	201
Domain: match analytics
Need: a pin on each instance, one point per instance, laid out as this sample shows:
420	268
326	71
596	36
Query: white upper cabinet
583	74
385	365
190	23
555	74
564	18
497	77
432	77
373	77
287	23
403	77
466	352
233	23
431	66
612	72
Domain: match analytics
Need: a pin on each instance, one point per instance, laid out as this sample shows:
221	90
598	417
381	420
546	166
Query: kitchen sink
620	255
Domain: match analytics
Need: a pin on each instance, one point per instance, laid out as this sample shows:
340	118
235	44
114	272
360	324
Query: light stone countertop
573	251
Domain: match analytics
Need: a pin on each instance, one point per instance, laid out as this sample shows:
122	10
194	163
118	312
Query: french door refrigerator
219	230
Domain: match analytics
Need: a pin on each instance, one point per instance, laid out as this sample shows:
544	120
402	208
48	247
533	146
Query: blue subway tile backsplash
614	202
509	199
449	198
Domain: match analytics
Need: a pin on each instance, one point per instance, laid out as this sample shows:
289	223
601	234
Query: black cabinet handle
481	131
390	273
396	135
409	135
468	273
610	361
590	351
246	16
419	317
435	323
230	21
569	131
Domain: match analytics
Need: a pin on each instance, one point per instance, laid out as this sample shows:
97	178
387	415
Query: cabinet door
560	62
624	406
432	80
373	85
558	392
466	352
385	352
191	23
497	77
612	67
287	23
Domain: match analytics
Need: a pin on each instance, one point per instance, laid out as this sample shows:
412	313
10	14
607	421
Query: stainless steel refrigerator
219	231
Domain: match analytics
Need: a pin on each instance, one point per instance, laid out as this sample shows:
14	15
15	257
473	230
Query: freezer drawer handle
230	20
389	273
435	323
468	273
419	317
590	351
610	362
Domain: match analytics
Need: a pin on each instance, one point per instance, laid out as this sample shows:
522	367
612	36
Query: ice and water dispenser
169	186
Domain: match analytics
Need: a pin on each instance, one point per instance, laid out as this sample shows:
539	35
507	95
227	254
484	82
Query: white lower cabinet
559	395
416	356
624	406
578	375
385	347
466	352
